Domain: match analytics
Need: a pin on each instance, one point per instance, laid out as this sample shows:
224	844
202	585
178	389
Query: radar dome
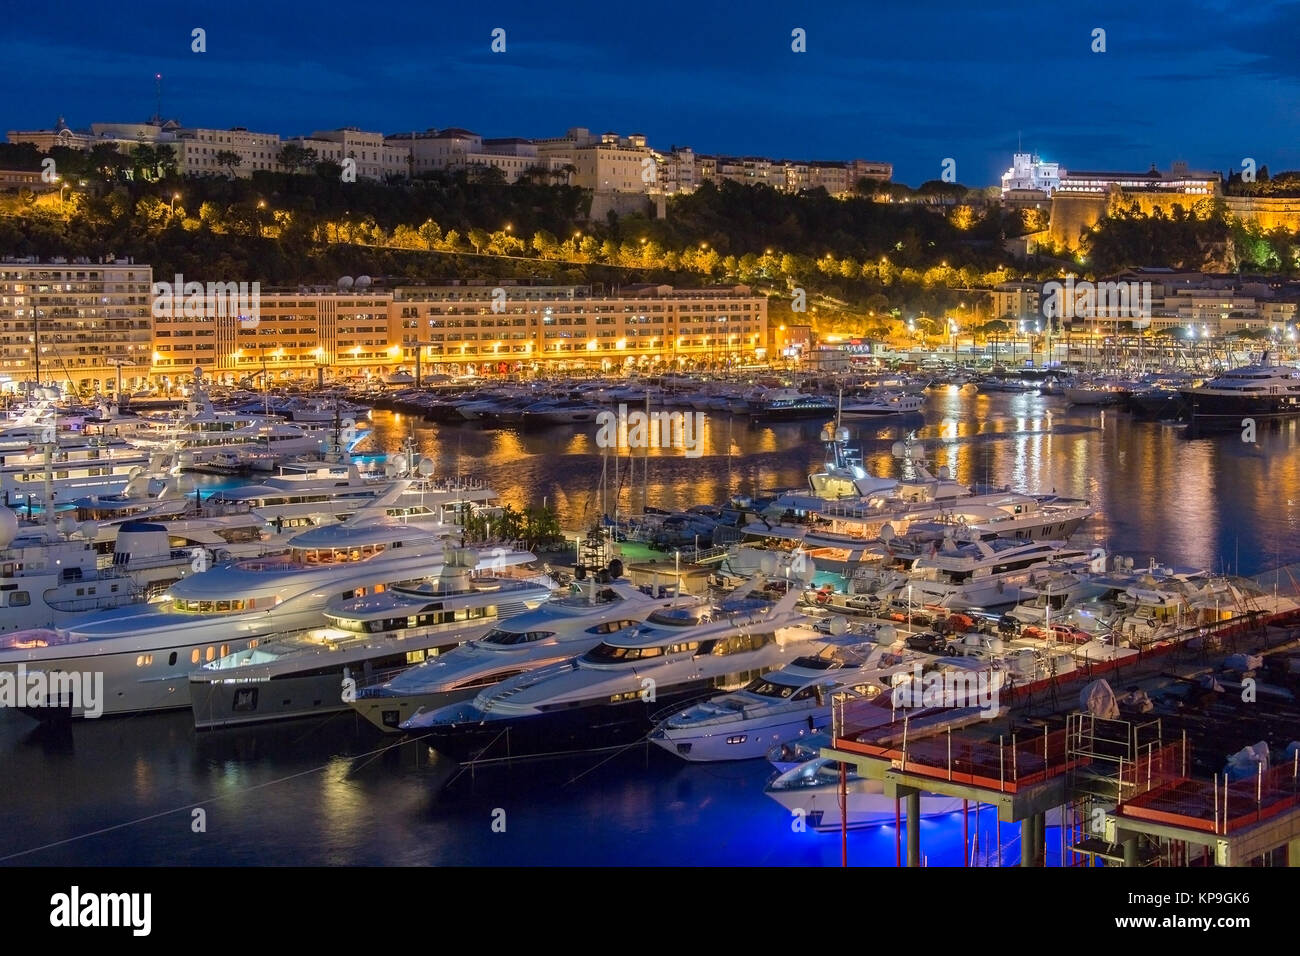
886	532
841	434
345	282
67	524
88	530
426	467
887	634
8	527
363	282
944	473
898	449
767	563
839	625
400	463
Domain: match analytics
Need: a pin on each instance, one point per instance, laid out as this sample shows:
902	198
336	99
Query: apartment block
76	324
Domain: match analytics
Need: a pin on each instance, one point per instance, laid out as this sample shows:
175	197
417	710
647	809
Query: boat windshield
613	654
501	636
769	688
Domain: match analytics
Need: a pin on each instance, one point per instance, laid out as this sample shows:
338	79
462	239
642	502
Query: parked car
1063	633
927	643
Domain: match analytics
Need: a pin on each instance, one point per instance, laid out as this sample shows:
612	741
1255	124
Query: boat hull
572	730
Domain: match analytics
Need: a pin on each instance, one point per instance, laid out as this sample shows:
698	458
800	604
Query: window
20	599
144	660
171	659
194	656
211	653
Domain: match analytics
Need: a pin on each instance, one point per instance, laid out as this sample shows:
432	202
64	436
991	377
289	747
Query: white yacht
568	624
72	467
984	573
617	691
812	789
147	652
203	434
55	572
784	704
369	638
887	403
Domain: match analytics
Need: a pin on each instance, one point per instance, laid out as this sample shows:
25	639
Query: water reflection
1212	502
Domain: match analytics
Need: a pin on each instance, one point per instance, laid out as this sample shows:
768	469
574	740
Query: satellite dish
400	463
426	467
345	282
944	473
898	449
887	532
8	527
841	434
363	282
88	530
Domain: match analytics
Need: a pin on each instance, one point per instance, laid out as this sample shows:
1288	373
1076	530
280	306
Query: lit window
211	653
194	656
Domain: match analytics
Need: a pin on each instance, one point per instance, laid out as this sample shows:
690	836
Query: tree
230	159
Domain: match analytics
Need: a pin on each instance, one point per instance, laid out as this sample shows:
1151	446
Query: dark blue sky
1208	81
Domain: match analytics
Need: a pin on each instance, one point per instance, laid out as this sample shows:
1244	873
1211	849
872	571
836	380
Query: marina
888	563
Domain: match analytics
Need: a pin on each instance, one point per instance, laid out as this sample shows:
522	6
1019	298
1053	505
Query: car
927	642
1062	633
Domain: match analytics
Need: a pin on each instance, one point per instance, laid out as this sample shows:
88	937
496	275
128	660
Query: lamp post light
172	206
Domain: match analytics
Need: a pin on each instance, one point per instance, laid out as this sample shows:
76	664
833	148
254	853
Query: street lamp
172	207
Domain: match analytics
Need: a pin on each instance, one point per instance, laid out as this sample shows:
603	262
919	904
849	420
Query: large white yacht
616	692
784	704
147	652
568	624
55	572
846	506
1263	390
368	638
203	434
985	573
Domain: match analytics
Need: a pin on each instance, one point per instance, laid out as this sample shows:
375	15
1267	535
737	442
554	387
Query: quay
1139	787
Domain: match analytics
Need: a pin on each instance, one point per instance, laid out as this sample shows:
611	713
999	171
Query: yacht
72	467
54	572
203	434
984	573
316	671
614	693
846	506
812	789
569	624
781	705
146	653
1263	390
889	403
787	404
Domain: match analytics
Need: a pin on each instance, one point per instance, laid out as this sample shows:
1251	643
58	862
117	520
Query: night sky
909	83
